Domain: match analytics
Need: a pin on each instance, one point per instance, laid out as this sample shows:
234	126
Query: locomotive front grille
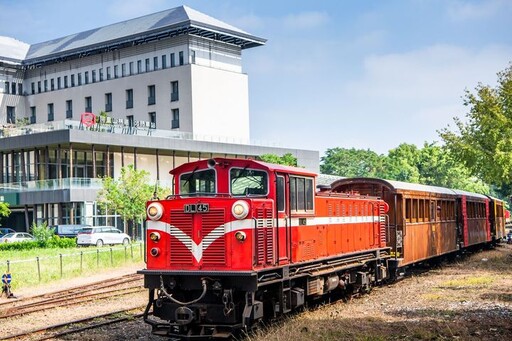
183	222
209	226
214	242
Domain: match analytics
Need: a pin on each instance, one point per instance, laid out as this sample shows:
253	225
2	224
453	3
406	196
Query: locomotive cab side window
245	181
198	182
301	194
280	193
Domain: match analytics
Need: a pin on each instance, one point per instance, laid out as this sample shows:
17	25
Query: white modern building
155	92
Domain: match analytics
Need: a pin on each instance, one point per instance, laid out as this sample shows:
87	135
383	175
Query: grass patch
479	281
40	266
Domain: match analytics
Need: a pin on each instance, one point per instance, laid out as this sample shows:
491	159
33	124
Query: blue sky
364	74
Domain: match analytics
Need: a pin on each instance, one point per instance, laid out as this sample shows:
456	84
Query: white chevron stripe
246	224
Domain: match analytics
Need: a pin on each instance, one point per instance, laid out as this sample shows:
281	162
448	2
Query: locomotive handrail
169	296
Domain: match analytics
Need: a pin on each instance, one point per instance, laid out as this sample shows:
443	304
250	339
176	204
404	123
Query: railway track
77	326
87	306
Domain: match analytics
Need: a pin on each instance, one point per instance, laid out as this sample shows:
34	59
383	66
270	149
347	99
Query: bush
42	233
57	242
18	246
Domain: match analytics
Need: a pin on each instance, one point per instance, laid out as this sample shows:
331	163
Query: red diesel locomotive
242	240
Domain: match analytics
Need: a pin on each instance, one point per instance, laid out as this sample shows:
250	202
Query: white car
16	237
101	235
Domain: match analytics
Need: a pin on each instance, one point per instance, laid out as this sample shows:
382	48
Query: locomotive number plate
196	208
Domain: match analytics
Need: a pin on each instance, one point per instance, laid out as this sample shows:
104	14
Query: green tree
128	194
287	159
352	162
4	209
402	163
483	142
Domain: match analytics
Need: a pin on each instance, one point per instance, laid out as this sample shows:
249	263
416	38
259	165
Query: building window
108	102
38	87
101	74
108	72
139	66
79	78
131	124
52	84
65	82
69	109
164	61
181	57
173	61
151	95
45	85
116	71
13	88
129	98
175	123
86	77
123	70
6	87
147	65
192	56
32	115
174	91
130	68
50	112
58	83
11	115
88	104
93	75
33	87
155	63
152	120
72	80
20	88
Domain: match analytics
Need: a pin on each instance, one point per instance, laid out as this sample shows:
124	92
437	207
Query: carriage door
283	220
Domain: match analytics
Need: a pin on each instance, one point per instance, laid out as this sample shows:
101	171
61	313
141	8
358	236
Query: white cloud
464	10
412	95
305	20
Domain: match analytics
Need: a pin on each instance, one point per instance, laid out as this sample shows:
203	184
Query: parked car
16	237
69	230
5	230
101	235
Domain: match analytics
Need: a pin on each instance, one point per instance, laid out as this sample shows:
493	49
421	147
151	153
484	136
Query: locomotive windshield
248	181
198	182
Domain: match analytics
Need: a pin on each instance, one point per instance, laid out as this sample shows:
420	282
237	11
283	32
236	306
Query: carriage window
301	194
248	181
202	182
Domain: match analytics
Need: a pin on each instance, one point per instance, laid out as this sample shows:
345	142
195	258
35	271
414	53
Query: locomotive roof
407	186
270	166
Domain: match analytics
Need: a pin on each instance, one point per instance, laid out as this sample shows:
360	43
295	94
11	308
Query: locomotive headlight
154	251
154	236
240	209
240	236
155	211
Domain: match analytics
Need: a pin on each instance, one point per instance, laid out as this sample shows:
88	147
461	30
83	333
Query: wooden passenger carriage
425	222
